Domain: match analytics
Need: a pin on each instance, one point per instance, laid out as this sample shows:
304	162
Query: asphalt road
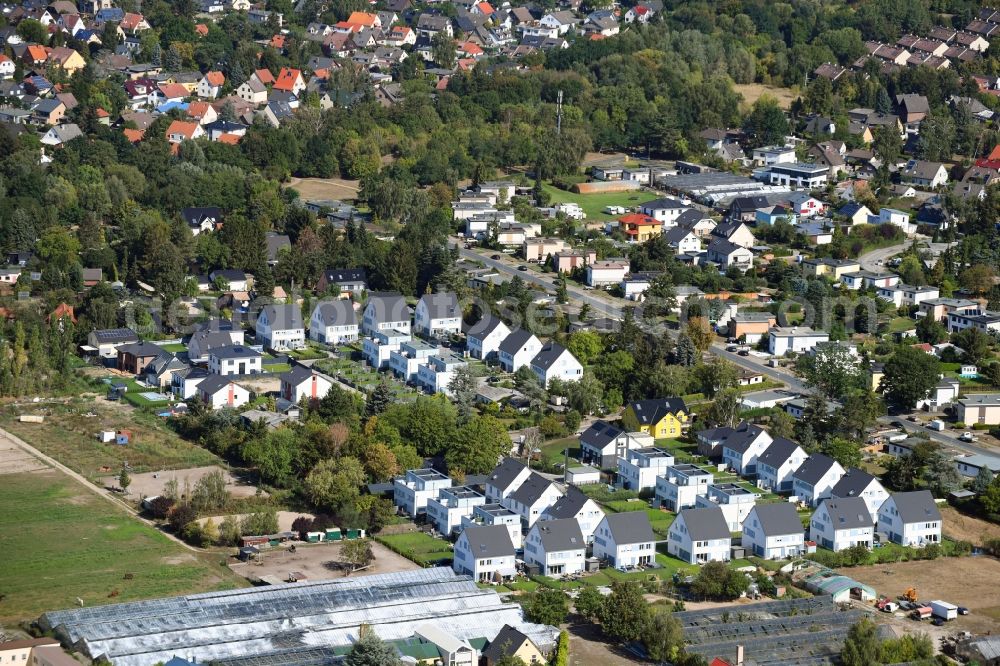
947	438
875	260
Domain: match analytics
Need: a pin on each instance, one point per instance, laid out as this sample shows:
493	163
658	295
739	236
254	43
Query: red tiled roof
215	78
287	78
265	76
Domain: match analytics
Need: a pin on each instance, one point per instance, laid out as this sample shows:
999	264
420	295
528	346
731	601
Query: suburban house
411	491
906	295
639	228
517	350
532	498
665	211
795	339
683	240
979	408
438	315
334	322
985	321
777	464
280	327
680	486
483	338
700	535
437	372
302	382
972	465
751	326
923	174
447	510
556	547
234	360
734	500
512	644
638	468
505	479
859	483
773	532
485	553
837	524
741	446
603	444
161	371
910	519
496	514
727	254
217	392
346	282
625	540
105	342
134	357
574	504
203	342
658	417
815	478
385	311
606	273
405	362
553	361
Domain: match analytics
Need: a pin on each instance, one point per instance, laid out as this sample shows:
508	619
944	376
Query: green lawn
553	452
593	204
61	542
277	368
420	547
898	324
133	397
174	348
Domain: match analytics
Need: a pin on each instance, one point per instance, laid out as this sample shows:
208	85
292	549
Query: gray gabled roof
557	535
337	313
275	243
297	375
531	490
505	644
484	327
505	473
234	351
677	234
777	453
649	412
388	306
630	527
814	467
599	434
140	349
848	513
568	505
778	518
663	204
283	317
513	342
705	524
441	305
853	483
916	506
489	541
740	438
549	354
214	383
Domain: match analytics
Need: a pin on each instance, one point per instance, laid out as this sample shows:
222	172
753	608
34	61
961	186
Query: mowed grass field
60	542
593	204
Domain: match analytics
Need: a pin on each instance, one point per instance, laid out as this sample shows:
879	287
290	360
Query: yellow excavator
910	594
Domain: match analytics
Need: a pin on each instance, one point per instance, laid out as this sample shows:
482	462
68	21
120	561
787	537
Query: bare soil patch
151	484
960	527
326	188
285	519
753	91
14	459
587	645
318	562
964	581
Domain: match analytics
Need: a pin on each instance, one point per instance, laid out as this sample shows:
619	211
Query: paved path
948	438
86	483
875	260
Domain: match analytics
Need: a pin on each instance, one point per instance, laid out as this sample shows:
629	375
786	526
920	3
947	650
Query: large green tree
910	374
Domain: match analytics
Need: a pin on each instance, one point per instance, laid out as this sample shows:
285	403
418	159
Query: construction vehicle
910	594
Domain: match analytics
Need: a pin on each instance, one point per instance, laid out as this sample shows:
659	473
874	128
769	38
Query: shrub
562	650
159	507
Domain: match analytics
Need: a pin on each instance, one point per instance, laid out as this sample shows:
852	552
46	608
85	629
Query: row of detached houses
520	511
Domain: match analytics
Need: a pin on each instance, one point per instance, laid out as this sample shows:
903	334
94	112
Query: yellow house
512	643
67	59
876	371
660	417
640	228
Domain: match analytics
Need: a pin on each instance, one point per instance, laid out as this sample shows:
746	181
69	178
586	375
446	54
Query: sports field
60	542
593	204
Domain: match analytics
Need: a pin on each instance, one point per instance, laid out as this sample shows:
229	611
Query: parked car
967	437
962	610
494	257
522	267
937	622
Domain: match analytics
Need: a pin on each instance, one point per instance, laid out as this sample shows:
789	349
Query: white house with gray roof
279	327
841	523
859	483
777	464
385	311
638	469
517	350
451	505
496	514
411	491
436	372
574	504
234	360
485	553
603	444
554	361
734	500
700	535
972	465
742	445
438	315
334	322
532	498
483	338
556	547
774	531
910	519
505	479
625	540
815	478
